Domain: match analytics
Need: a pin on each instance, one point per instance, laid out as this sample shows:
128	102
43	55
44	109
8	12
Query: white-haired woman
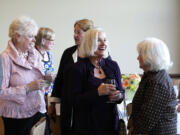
153	106
22	101
94	101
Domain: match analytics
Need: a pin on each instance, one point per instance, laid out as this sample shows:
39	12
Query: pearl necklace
24	55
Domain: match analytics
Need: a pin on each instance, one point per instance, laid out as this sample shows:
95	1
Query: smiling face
47	44
102	45
45	39
25	42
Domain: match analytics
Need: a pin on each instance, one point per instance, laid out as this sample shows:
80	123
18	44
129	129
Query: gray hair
90	43
22	25
155	54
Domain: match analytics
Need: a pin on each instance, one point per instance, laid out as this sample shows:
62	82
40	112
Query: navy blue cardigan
91	112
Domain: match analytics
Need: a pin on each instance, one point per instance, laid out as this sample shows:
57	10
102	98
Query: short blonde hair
90	43
46	33
155	54
22	25
84	24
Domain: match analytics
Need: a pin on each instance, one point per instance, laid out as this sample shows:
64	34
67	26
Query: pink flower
125	83
130	81
134	76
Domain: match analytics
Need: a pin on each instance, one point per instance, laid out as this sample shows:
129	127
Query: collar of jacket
33	60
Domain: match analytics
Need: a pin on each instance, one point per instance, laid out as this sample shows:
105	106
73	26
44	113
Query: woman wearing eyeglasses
44	43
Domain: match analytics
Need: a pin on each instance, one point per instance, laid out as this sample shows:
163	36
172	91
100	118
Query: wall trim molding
174	76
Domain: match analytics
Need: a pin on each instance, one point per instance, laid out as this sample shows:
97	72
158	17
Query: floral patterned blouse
48	67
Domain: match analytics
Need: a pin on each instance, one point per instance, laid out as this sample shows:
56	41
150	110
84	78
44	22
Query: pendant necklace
98	68
44	56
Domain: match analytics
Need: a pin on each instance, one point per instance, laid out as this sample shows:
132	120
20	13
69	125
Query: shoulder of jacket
71	49
110	62
5	55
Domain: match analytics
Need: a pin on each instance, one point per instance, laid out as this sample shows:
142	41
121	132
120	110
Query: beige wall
126	22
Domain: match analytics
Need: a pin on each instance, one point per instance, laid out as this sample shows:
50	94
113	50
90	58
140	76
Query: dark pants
22	126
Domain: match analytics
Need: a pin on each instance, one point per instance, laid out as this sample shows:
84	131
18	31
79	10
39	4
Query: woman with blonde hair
44	43
94	100
69	57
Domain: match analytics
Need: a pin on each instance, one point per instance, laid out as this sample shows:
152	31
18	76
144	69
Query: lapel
74	54
33	60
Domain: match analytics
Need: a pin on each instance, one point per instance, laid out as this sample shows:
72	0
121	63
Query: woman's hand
178	108
36	85
115	95
106	89
50	77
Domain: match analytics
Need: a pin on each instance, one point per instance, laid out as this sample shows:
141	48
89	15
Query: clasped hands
109	90
50	77
41	84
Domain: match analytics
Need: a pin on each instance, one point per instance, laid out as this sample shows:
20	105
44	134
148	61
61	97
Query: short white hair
154	53
90	43
22	25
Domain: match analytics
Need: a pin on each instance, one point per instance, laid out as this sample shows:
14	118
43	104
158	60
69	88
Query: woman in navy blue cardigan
94	101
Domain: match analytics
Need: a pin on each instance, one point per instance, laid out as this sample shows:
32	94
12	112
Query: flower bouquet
130	83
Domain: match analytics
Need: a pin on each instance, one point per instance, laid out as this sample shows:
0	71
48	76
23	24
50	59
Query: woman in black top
94	100
69	57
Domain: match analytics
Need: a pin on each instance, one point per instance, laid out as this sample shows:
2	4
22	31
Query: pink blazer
17	72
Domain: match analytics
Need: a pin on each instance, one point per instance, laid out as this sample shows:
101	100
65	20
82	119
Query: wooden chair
129	109
54	123
39	127
1	126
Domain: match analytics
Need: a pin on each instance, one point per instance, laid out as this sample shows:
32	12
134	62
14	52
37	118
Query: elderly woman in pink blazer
22	89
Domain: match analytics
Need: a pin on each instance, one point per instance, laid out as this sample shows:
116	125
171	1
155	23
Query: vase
129	94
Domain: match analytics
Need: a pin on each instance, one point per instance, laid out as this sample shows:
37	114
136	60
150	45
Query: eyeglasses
30	36
49	39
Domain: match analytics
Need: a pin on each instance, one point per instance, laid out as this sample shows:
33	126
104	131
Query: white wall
126	22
